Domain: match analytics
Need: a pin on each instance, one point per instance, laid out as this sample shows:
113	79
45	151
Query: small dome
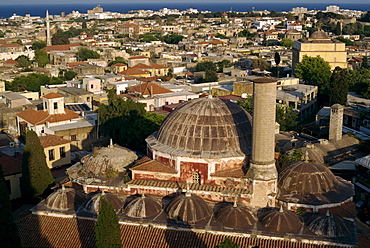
319	35
282	221
306	178
107	159
93	204
65	199
143	207
235	216
188	208
328	225
205	127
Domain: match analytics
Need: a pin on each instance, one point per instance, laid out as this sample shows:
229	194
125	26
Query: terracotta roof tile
133	71
234	172
40	117
138	57
76	64
155	166
52	140
52	95
10	61
11	45
60	47
149	89
10	165
142	66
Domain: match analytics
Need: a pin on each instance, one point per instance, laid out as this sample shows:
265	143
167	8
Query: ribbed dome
306	178
143	207
188	208
328	225
282	221
93	204
65	199
319	35
205	127
235	216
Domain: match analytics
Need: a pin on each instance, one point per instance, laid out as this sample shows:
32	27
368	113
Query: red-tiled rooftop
149	89
40	117
60	47
52	95
52	140
10	165
133	71
11	45
154	166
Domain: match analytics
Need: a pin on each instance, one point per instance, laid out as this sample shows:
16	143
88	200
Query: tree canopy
84	54
286	42
227	243
314	71
260	64
41	57
23	61
36	176
9	236
173	38
338	86
38	45
205	65
59	38
31	82
107	230
127	122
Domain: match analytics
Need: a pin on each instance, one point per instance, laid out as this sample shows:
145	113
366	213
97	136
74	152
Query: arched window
196	177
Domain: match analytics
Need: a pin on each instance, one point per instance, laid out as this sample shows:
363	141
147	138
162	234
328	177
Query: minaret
262	172
48	38
336	122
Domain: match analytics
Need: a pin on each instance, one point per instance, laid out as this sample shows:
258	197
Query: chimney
262	171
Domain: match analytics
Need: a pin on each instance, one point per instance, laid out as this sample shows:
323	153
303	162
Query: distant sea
55	9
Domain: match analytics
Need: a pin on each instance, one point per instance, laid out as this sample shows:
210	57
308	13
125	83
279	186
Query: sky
335	2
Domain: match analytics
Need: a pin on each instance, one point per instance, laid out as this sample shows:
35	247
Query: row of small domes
190	208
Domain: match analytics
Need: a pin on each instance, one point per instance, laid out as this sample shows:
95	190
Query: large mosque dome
205	128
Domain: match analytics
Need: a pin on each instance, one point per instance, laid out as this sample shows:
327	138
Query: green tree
59	38
314	71
345	40
36	176
84	54
172	38
338	88
227	243
205	65
9	236
107	229
286	117
223	64
121	120
287	42
66	75
365	63
210	76
23	61
246	33
247	104
41	57
38	45
148	37
277	58
260	64
338	29
31	82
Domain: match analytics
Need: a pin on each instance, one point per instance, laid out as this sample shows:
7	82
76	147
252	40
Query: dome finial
63	188
142	195
306	157
281	209
327	213
188	194
102	192
235	205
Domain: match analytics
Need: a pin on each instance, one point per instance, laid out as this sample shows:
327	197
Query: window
196	177
73	137
51	155
92	86
8	186
62	152
55	105
46	105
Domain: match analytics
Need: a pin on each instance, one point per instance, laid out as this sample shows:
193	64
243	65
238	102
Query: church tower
53	103
48	38
262	172
336	122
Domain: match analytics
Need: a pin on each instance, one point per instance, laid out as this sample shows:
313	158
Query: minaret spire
48	38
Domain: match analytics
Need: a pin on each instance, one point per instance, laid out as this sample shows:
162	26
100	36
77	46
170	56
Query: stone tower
336	122
262	172
48	38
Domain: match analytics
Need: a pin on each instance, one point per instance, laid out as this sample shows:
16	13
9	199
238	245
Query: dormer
53	103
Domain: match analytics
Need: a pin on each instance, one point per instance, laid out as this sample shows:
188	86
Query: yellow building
319	44
57	150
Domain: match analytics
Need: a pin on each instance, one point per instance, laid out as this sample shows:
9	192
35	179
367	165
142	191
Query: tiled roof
192	186
40	117
52	95
52	140
119	64
142	66
149	89
10	164
133	71
50	231
10	61
234	172
155	166
59	47
76	64
11	45
138	57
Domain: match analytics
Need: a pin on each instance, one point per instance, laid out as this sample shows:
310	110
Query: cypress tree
338	89
9	236
107	230
36	176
